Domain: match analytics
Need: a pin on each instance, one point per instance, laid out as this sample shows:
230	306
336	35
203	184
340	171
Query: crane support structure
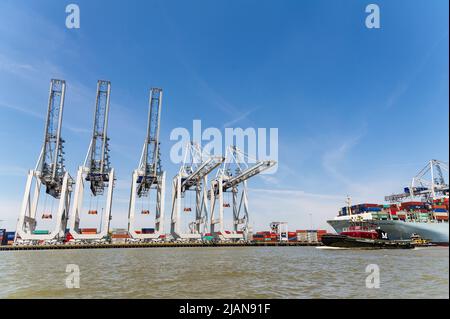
49	172
149	175
193	176
96	170
236	184
428	184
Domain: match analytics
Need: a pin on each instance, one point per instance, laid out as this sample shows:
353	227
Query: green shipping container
40	232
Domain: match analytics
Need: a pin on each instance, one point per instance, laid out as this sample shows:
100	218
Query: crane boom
150	163
98	155
423	187
200	165
51	161
248	173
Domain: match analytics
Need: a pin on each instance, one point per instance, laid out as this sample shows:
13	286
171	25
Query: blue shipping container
440	210
10	235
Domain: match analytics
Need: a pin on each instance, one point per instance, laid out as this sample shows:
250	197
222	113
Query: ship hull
343	241
436	233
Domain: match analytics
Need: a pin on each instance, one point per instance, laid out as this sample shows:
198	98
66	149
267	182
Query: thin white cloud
240	118
72	128
11	170
333	157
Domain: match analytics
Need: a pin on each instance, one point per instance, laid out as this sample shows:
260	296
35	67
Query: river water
236	272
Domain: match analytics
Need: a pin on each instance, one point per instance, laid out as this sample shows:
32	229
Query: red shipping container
121	236
89	229
407	204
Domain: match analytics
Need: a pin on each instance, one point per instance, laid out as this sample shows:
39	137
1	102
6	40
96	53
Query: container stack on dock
147	230
88	231
265	236
310	236
6	237
2	237
208	237
119	236
10	235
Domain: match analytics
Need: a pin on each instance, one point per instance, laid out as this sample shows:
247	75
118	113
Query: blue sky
359	111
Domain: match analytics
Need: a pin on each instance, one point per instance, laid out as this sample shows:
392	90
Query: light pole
311	220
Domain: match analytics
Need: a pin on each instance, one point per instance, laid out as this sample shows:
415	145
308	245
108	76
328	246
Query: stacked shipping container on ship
440	209
413	210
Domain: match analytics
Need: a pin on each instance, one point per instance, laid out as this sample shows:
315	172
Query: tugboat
418	241
365	236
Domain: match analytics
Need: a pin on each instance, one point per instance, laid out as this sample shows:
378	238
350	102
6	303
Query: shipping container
40	232
120	236
148	230
88	230
10	235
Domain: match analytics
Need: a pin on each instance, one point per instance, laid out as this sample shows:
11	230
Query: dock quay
154	245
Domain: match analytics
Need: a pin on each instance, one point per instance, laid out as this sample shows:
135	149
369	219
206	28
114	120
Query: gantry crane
149	175
225	182
428	184
193	176
96	171
49	172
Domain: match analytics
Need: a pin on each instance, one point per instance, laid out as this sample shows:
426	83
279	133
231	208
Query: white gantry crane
97	172
226	183
51	173
149	176
193	176
428	184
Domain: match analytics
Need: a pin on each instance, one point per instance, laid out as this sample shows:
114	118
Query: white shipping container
303	237
312	237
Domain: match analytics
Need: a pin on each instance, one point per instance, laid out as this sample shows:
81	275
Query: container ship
400	221
420	210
